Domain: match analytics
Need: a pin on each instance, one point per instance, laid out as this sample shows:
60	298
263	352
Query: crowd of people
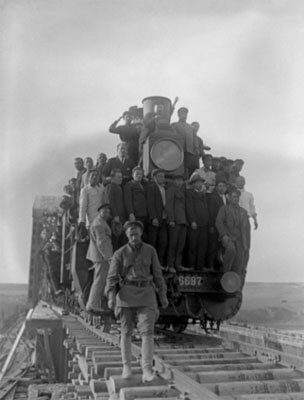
141	227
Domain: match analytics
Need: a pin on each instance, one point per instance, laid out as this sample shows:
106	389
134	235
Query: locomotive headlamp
167	154
231	282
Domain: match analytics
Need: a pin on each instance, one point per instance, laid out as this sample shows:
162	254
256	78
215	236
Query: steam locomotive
208	295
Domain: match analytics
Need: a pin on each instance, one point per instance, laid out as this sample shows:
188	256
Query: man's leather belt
138	283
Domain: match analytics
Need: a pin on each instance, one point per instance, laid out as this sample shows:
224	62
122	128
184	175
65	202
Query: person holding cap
99	252
134	275
198	218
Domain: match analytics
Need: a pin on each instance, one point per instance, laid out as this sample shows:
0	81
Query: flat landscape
275	305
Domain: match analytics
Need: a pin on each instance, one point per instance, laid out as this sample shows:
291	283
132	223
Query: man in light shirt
206	173
246	200
89	164
90	199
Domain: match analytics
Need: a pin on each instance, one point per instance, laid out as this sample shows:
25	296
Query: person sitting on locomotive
225	173
206	173
122	162
177	223
236	168
216	201
246	200
156	202
100	252
78	163
216	164
198	218
233	226
90	199
189	140
133	275
135	197
114	196
100	164
129	134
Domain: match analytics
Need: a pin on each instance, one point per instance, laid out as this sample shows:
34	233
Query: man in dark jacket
114	196
122	162
233	226
128	134
198	218
156	202
216	201
135	197
177	222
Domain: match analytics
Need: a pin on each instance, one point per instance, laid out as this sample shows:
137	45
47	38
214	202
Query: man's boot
126	355
147	358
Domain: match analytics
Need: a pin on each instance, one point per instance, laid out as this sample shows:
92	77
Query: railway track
189	366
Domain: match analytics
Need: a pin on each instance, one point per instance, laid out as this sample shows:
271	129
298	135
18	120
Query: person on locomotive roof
89	164
156	203
177	222
135	197
91	197
189	140
133	275
198	218
206	173
233	226
128	133
99	252
114	196
78	163
246	200
201	146
216	201
121	161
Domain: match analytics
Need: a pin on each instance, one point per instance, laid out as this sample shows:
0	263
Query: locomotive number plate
190	282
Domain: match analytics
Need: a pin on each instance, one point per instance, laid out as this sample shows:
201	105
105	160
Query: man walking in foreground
133	275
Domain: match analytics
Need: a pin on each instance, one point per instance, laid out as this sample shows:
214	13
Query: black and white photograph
153	163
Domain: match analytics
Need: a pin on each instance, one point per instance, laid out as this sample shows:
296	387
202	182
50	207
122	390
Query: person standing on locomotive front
135	267
89	164
189	140
79	165
99	252
156	201
122	162
233	226
135	197
129	134
216	201
198	218
177	223
114	196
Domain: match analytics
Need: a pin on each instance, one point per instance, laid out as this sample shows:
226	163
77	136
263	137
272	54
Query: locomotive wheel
180	324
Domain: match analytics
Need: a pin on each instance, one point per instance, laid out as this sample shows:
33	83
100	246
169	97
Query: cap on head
105	205
133	224
195	178
185	109
239	161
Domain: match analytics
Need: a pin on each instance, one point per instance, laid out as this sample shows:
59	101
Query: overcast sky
69	68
